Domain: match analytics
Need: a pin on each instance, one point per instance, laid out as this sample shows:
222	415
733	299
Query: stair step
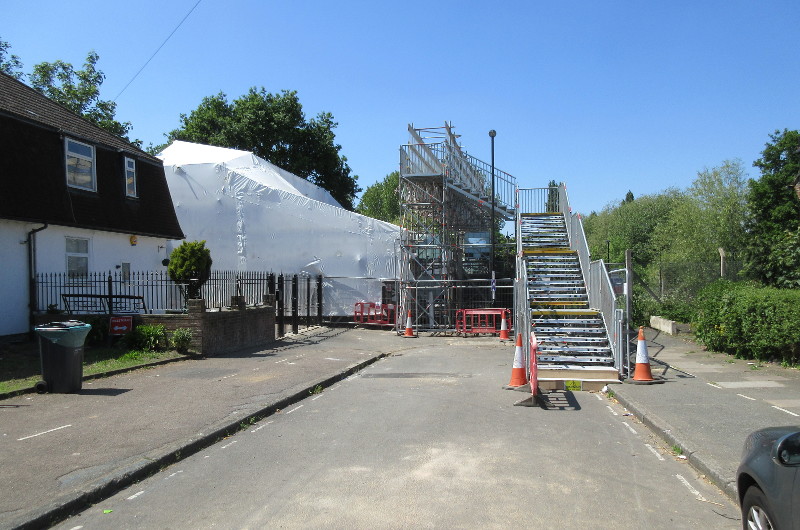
545	349
559	321
548	331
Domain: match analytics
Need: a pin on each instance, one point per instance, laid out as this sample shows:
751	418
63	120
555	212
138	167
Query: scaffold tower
446	202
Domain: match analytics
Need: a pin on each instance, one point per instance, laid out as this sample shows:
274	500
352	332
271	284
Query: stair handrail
522	304
595	276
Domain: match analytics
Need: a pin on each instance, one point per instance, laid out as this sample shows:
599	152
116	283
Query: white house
74	198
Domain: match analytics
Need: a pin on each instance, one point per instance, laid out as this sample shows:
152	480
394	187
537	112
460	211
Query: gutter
32	302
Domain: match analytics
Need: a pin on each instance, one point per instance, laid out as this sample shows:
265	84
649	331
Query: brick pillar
196	311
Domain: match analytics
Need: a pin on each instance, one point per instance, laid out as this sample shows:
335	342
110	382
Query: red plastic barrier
485	320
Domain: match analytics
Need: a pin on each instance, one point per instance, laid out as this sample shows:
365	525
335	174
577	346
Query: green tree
774	211
382	200
79	91
9	63
190	264
274	127
710	218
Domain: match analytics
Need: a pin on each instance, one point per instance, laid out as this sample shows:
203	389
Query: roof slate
19	99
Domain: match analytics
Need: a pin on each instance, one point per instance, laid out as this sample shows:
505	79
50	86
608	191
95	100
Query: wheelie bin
61	355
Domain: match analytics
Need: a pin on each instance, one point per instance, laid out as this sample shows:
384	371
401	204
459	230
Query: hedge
749	321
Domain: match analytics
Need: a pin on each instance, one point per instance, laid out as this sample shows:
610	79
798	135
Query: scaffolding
446	202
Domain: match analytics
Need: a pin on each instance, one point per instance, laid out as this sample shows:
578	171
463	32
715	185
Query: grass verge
20	368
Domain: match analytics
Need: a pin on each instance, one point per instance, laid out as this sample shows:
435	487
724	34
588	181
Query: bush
147	337
749	321
680	310
181	339
190	263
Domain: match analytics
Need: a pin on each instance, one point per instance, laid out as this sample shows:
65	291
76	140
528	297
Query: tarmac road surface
427	438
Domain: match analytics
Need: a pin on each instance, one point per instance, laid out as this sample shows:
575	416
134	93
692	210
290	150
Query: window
77	257
80	165
130	177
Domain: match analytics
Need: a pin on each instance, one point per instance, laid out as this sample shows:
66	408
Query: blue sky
606	96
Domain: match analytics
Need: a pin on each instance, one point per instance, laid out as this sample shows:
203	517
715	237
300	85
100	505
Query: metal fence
147	292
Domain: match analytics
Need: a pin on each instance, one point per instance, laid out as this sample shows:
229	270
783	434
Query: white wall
107	250
14	278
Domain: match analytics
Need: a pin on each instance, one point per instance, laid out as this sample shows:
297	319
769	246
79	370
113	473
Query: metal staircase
574	349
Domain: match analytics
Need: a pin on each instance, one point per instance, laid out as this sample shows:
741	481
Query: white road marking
653	450
612	410
691	489
746	397
281	361
135	495
786	411
169	477
294	409
714	385
262	426
45	432
331	359
598	397
629	427
228	445
76	527
316	397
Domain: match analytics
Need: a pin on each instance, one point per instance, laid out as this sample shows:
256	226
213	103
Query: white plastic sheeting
255	216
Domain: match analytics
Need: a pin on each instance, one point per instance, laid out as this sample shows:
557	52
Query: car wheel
755	514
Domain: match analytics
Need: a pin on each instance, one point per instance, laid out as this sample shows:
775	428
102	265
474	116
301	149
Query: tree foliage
274	127
9	63
79	91
382	200
774	210
190	263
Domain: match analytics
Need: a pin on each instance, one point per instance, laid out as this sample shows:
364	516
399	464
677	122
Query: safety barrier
484	320
374	314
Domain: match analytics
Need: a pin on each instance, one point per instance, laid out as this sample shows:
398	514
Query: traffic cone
518	375
642	371
409	327
504	328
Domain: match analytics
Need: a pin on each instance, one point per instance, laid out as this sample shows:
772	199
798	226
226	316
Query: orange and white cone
409	326
642	370
518	375
504	328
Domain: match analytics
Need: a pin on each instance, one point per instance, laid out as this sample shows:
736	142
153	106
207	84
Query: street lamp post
492	134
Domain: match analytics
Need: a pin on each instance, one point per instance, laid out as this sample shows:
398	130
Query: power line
159	49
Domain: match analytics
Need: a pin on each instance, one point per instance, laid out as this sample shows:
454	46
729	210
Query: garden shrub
181	339
749	321
147	337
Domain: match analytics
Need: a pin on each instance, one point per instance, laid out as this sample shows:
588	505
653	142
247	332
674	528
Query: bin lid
70	334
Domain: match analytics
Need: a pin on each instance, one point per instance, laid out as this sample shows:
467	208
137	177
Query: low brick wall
213	332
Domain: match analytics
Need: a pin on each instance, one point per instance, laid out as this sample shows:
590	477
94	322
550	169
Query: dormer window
80	165
130	177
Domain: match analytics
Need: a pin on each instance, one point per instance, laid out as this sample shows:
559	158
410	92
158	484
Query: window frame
133	194
67	255
80	156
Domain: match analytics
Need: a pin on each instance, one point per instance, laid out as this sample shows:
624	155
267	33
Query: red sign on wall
120	325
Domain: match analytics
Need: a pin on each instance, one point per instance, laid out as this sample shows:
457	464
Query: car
768	482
